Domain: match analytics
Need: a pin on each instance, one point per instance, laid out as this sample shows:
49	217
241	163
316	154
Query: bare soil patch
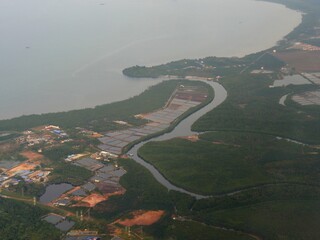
303	61
192	138
22	166
142	218
91	200
95	198
31	156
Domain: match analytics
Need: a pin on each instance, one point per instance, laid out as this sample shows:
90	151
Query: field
91	200
33	160
183	100
31	156
302	61
142	218
307	98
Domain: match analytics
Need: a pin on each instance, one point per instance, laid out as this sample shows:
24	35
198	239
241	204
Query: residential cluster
46	135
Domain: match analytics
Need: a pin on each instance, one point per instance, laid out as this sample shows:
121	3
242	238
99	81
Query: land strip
182	100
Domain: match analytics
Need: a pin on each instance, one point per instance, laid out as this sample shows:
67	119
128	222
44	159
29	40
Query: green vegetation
263	185
210	96
208	67
60	152
101	117
253	106
10	151
23	221
68	173
28	189
142	192
277	220
253	196
315	42
285	211
8	136
12	156
224	162
193	230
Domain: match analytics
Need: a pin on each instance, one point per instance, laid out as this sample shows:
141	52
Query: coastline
80	109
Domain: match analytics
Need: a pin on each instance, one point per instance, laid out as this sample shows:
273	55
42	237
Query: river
182	129
61	55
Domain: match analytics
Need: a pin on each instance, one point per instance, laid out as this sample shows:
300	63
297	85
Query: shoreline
79	109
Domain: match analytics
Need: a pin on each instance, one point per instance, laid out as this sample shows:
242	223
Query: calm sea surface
60	55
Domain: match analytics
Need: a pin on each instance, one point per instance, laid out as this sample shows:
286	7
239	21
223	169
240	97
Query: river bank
182	129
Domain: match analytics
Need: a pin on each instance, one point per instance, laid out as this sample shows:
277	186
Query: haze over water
61	55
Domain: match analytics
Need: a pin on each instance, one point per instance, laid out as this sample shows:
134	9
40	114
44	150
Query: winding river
182	129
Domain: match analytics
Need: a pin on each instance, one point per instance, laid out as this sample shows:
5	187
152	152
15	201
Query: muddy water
182	129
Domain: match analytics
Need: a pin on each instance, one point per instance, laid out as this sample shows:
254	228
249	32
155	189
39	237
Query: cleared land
104	184
142	218
21	167
91	200
307	98
313	77
183	99
303	61
31	156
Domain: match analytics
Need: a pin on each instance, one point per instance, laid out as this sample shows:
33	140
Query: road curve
182	129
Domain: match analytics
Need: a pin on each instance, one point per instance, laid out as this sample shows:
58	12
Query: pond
54	191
